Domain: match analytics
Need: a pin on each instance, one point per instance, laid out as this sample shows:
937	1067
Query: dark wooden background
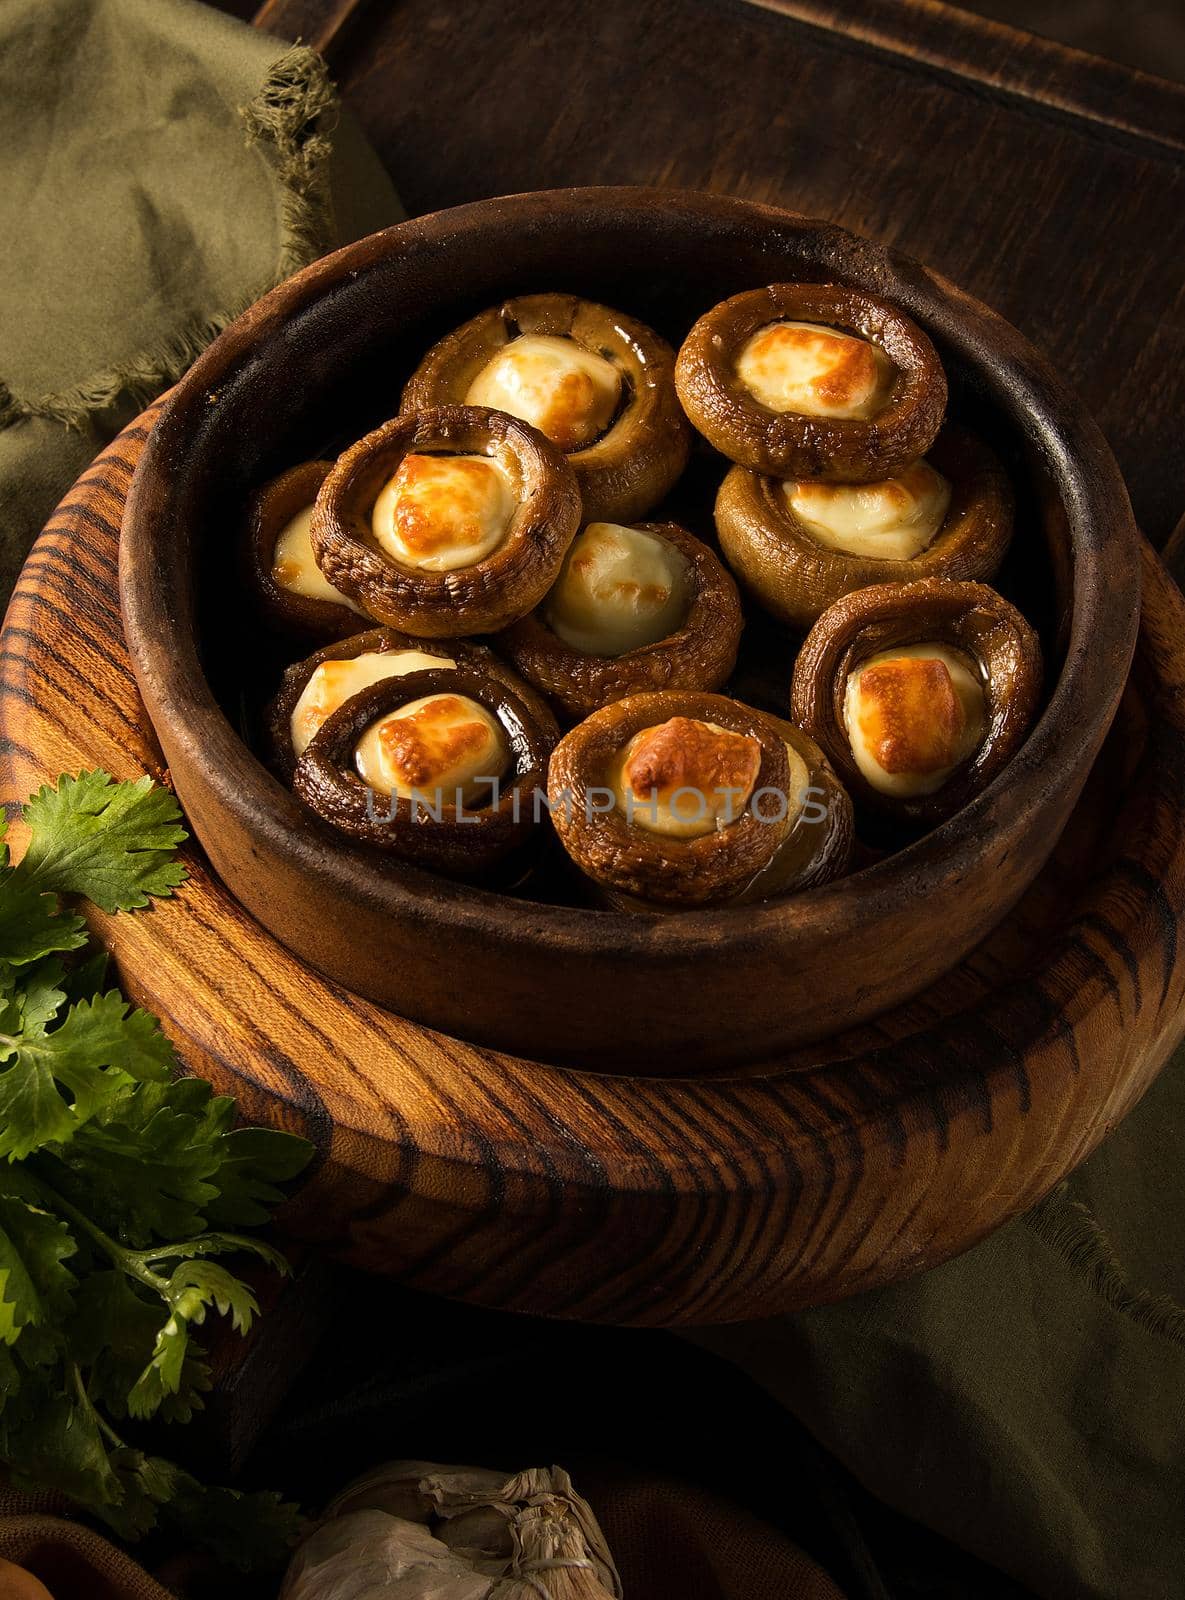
1048	183
1149	34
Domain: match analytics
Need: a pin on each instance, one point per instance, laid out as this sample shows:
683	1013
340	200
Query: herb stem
128	1261
89	1406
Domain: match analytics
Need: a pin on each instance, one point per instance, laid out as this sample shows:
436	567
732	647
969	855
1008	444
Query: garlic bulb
413	1530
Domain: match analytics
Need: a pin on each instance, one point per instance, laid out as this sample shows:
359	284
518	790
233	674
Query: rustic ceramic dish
320	360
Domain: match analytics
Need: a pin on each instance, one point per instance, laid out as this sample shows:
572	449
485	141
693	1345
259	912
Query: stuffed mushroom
918	693
798	545
447	522
812	380
443	767
634	608
678	800
600	386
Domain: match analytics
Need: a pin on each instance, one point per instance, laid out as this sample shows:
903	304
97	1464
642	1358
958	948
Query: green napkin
163	166
1027	1400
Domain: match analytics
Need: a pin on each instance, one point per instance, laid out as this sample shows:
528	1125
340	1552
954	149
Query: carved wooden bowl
320	360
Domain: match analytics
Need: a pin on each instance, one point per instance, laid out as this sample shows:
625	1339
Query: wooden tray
656	1201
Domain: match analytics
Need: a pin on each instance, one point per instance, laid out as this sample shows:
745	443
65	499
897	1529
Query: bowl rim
168	667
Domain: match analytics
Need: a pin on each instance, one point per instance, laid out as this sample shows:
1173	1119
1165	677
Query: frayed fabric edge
295	113
1073	1231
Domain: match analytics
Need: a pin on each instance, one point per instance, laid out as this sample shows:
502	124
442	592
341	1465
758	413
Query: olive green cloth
163	165
1027	1400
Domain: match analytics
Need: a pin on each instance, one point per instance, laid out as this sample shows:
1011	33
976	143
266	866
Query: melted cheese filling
439	513
800	782
685	778
334	682
913	715
294	567
567	392
816	371
619	589
894	520
445	749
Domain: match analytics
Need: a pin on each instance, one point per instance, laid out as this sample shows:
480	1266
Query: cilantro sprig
122	1188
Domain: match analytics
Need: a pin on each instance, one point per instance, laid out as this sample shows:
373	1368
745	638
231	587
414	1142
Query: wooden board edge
1004	60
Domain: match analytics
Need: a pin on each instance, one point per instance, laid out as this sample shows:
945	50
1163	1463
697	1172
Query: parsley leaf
112	842
35	1285
241	1530
42	995
254	1162
118	1181
32	1112
115	1337
145	1484
197	1285
144	1162
31	923
100	1045
60	1443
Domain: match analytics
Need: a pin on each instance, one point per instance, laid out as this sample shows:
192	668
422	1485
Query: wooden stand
657	1201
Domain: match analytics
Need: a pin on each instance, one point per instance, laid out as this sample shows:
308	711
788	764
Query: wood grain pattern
642	1200
1049	184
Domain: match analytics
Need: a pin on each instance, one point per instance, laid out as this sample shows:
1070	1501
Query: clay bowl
323	358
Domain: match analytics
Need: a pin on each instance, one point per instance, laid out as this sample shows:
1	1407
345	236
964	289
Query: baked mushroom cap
312	689
447	522
682	799
785	538
872	377
699	653
930	687
294	594
437	823
609	403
